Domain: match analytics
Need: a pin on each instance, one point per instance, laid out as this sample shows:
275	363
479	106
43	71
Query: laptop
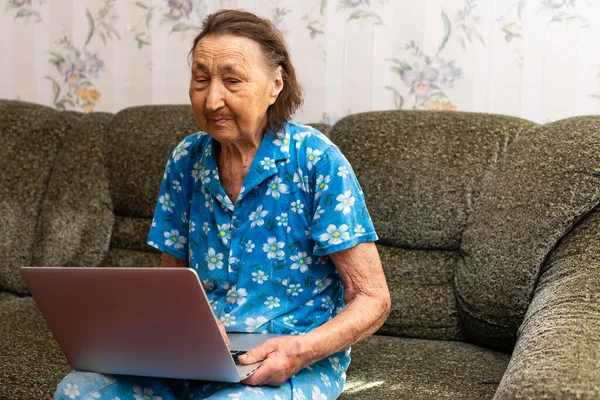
138	321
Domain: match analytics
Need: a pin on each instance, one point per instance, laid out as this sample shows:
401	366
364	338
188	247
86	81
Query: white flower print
318	212
312	157
249	246
259	277
301	261
335	235
289	320
208	285
213	304
227	320
153	223
283	143
273	248
300	137
343	171
326	302
236	296
177	186
167	169
235	395
322	186
180	150
335	364
147	394
321	284
166	203
192	227
268	163
214	259
224	232
204	177
282	220
297	206
257	217
297	394
96	395
301	180
359	230
256	390
317	395
276	188
272	302
197	171
325	380
116	398
254	324
184	218
225	201
295	290
346	201
72	391
174	239
206	228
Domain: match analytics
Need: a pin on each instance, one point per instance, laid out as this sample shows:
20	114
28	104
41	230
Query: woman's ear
277	85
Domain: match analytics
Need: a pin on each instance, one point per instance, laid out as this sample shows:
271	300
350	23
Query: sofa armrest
557	354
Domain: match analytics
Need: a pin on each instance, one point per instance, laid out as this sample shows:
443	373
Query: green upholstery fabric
413	369
30	137
547	181
421	172
422	289
482	220
138	142
557	354
76	218
31	363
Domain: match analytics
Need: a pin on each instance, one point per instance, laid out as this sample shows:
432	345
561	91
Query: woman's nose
215	99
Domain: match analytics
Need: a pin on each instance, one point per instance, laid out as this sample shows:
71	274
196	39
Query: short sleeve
340	216
170	225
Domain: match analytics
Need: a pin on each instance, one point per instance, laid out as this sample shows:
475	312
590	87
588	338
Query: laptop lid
132	321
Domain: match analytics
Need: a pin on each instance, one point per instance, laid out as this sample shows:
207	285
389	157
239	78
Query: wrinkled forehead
228	52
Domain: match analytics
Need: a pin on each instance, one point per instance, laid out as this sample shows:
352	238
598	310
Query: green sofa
489	233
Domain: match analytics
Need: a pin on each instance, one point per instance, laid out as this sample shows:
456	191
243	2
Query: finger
223	331
267	374
258	353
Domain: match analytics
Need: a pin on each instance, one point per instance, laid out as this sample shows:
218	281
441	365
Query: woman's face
231	87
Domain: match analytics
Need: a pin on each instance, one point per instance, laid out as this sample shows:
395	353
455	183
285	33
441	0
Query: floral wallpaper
536	59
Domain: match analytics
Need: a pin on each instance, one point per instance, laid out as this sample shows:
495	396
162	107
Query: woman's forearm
358	320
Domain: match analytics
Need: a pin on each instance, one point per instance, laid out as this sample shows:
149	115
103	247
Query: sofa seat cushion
31	363
385	367
131	258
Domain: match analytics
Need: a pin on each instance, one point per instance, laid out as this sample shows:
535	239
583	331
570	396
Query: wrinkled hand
222	329
282	357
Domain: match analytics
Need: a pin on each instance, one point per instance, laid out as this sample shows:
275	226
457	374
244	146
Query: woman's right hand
222	329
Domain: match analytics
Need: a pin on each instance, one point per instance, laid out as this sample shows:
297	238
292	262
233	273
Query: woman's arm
367	306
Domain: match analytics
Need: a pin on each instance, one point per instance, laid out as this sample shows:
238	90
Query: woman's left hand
281	358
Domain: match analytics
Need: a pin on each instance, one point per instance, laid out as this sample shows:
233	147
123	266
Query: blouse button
237	223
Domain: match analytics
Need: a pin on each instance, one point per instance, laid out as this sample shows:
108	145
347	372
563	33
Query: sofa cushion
138	142
421	171
422	289
31	363
30	137
548	180
76	217
392	368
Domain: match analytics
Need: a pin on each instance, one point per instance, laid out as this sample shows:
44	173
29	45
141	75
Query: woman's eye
231	80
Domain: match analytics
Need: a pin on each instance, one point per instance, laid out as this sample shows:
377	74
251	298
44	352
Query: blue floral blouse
263	261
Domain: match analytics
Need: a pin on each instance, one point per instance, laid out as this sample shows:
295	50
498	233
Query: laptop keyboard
235	354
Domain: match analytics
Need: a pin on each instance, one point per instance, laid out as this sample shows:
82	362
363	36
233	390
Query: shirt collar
273	150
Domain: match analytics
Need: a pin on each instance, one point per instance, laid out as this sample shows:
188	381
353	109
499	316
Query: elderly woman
270	215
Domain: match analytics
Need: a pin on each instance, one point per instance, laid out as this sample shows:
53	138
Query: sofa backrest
137	143
467	207
30	137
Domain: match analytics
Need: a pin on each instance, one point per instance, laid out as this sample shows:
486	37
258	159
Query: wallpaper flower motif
403	54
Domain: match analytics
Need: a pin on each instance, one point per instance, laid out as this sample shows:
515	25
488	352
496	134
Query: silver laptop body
137	321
